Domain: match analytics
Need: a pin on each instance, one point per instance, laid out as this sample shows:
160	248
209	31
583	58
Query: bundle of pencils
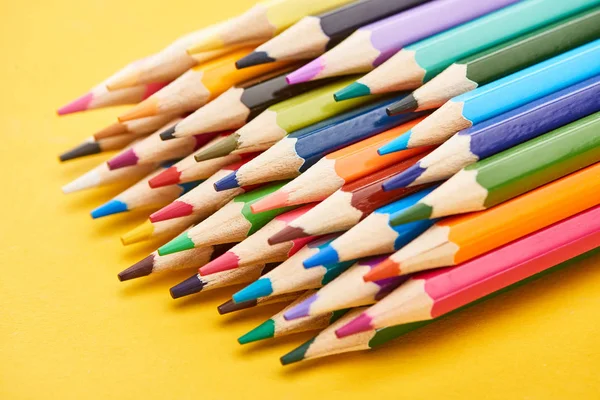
369	213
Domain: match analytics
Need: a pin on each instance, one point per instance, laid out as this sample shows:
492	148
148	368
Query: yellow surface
70	330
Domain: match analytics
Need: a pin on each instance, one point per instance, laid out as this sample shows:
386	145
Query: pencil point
123	81
327	255
384	270
224	262
297	354
229	306
229	182
300	310
109	208
207	44
169	133
221	148
417	212
77	105
139	269
266	330
176	209
305	73
147	108
84	149
407	104
398	144
169	176
254	58
125	159
138	234
180	243
404	178
275	200
352	91
362	323
259	288
191	285
286	234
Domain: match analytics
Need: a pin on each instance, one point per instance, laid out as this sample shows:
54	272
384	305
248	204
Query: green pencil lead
418	212
266	330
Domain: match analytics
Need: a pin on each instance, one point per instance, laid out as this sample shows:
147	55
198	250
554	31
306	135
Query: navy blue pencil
295	153
502	132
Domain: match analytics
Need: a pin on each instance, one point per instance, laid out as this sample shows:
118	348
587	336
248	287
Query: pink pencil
430	294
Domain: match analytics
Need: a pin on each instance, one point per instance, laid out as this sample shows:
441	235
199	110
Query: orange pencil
338	168
198	86
458	239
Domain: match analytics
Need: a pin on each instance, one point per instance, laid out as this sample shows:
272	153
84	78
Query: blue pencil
501	96
291	276
295	153
502	132
141	195
374	235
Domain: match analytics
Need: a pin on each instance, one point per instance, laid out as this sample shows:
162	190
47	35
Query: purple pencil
373	44
346	291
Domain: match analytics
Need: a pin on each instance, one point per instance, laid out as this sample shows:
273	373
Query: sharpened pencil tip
229	182
191	285
398	144
77	105
169	133
306	73
407	104
254	58
384	270
352	91
230	306
286	234
220	149
138	234
176	209
266	330
259	288
277	199
404	178
169	176
125	159
139	269
297	354
362	323
418	212
109	208
147	108
327	255
224	262
84	149
300	310
180	243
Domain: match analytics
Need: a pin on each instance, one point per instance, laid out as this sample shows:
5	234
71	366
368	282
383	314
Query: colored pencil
263	21
203	200
165	230
256	249
238	105
291	276
322	32
92	146
167	64
155	263
374	235
197	87
152	149
503	59
503	95
503	132
308	110
197	283
102	176
428	295
232	223
349	205
277	326
137	126
512	172
229	306
348	290
373	44
336	169
141	196
188	169
301	150
101	97
458	239
420	62
327	343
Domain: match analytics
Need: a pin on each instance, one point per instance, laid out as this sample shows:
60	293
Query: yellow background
70	330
